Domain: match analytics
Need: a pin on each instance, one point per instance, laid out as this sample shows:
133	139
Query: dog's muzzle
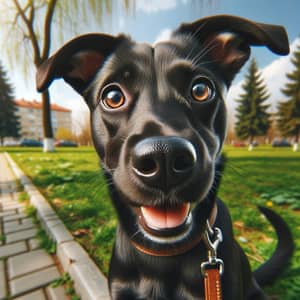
164	163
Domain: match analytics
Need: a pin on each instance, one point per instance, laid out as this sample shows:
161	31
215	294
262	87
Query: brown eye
202	90
113	98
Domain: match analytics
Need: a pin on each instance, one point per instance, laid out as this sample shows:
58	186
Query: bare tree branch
47	29
33	38
31	12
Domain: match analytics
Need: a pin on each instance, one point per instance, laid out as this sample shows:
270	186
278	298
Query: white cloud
153	6
163	35
274	76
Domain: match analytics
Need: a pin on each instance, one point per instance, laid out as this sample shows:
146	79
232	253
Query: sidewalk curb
89	282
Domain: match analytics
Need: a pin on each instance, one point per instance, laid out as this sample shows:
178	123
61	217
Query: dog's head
159	119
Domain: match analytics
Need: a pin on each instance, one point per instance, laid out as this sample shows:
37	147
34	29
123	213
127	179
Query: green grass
2	238
268	177
23	197
71	180
66	281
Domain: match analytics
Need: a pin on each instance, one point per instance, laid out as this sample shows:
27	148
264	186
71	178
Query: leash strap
212	284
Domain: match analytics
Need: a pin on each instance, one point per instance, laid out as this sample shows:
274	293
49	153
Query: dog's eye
202	90
112	98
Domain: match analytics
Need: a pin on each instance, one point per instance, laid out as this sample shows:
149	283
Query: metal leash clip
212	246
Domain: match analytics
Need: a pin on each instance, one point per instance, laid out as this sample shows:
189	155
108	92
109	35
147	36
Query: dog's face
158	118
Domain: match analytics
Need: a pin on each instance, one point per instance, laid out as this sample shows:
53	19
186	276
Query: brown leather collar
179	250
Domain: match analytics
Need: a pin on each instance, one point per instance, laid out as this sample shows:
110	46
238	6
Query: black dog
159	121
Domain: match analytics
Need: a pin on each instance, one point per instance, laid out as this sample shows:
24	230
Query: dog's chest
152	289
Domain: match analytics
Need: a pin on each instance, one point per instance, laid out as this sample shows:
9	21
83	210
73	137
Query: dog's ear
78	61
228	39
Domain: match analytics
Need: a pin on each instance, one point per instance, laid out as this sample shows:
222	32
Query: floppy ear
228	39
78	61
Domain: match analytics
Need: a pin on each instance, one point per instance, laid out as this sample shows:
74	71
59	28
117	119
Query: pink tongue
161	218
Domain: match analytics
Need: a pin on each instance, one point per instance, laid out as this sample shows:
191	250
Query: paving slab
34	244
21	235
57	293
21	210
28	262
37	295
14	217
9	228
12	205
12	249
13	223
33	281
5	197
27	221
2	281
7	213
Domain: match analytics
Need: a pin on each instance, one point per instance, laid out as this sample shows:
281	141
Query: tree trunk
296	142
250	147
47	124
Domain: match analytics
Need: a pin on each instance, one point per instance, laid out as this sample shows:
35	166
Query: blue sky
155	18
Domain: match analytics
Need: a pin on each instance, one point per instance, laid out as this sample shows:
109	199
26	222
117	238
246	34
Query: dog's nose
163	162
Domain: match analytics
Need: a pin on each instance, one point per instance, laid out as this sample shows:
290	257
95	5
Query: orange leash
212	284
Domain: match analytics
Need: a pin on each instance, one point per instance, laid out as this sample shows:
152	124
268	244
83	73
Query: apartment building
30	113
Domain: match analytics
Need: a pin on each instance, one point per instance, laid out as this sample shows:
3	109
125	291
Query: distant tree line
9	121
253	118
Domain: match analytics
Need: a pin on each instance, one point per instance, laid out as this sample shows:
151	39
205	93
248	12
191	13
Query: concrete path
26	271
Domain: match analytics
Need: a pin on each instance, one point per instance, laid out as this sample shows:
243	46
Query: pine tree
252	116
9	122
288	121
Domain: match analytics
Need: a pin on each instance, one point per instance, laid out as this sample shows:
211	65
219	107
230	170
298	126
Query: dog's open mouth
165	221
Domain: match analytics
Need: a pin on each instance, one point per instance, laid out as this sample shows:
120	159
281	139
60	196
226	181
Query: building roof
38	105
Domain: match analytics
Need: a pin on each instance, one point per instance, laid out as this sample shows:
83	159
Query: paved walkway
26	271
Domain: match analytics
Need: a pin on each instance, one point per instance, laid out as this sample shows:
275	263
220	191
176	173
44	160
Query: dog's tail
272	268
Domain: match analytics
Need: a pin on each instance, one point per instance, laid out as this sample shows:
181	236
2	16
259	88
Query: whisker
206	62
193	36
204	52
199	29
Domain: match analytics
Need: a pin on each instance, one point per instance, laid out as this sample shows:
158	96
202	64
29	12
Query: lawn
71	180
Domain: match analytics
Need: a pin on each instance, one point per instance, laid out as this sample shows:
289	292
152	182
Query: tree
288	121
9	122
64	134
252	116
84	136
31	25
